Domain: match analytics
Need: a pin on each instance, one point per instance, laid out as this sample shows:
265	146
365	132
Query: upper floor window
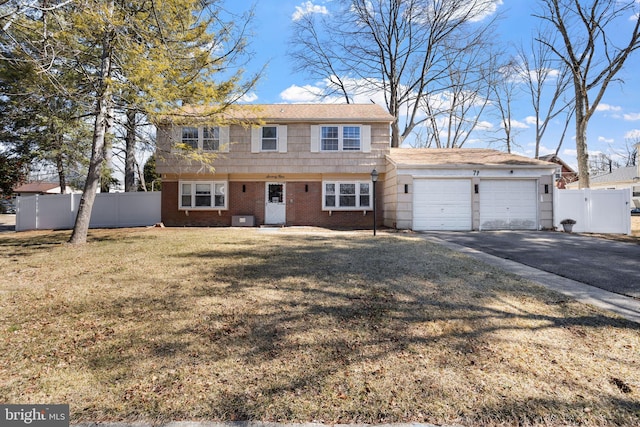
206	138
202	195
190	137
269	138
340	138
211	139
329	139
346	195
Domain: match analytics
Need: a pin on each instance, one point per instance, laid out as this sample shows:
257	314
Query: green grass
300	325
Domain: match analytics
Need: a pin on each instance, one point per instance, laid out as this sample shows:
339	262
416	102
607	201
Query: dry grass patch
239	324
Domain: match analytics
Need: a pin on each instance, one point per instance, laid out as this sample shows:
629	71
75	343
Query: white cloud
607	107
515	124
632	117
306	93
545	150
570	152
606	140
530	120
308	8
633	135
249	97
484	125
488	9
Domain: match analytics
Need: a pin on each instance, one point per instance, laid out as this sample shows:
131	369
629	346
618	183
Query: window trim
341	128
212	130
262	139
358	195
192	194
201	139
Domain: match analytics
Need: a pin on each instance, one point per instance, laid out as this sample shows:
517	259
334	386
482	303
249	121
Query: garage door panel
442	204
508	205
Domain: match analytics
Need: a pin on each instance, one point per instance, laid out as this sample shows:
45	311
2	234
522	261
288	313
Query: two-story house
285	164
298	164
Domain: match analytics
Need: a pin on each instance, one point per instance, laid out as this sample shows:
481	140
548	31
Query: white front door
275	210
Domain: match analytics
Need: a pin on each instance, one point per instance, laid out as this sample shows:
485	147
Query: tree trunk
101	127
581	141
107	155
62	178
130	152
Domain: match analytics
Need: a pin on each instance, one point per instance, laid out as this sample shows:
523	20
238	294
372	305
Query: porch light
374	179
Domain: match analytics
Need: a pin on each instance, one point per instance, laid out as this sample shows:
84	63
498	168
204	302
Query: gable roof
36	187
441	157
289	113
555	159
616	175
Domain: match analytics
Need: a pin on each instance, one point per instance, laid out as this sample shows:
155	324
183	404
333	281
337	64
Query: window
351	138
190	137
347	195
340	138
203	138
203	195
211	139
329	139
269	138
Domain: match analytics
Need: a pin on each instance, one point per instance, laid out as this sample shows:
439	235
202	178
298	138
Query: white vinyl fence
110	210
595	211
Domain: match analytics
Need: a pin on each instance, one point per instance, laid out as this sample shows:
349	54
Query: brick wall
304	207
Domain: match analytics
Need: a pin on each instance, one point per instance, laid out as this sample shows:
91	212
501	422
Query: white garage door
442	204
508	205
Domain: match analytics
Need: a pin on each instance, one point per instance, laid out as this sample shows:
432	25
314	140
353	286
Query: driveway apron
606	264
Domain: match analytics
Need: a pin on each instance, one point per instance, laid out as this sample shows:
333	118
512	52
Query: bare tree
396	47
453	111
591	52
505	89
546	81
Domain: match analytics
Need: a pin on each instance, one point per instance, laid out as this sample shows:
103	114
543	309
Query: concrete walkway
624	306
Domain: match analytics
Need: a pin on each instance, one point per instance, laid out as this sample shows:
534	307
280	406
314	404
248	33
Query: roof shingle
460	156
281	113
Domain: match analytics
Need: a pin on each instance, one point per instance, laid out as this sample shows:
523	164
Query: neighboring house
311	165
567	174
618	179
33	188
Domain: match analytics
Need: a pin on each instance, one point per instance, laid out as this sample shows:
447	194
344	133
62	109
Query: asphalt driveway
606	264
7	222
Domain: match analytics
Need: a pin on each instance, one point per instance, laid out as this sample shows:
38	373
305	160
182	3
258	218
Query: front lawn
300	325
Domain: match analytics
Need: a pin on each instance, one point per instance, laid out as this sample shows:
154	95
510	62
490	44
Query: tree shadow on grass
336	329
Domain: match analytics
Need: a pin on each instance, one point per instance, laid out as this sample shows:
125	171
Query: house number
476	172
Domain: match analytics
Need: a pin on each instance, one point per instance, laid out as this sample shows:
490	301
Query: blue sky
616	121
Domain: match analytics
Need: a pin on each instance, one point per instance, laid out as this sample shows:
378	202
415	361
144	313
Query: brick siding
303	199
